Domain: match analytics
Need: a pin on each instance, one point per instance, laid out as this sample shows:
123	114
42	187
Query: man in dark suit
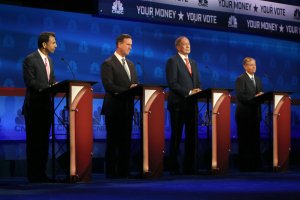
118	75
38	74
183	80
248	117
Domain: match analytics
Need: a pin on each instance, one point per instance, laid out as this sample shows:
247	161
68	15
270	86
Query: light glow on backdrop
85	42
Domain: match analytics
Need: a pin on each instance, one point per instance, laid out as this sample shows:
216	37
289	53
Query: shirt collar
250	76
42	55
119	57
183	56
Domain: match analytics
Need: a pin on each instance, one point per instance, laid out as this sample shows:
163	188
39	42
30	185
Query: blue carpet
239	186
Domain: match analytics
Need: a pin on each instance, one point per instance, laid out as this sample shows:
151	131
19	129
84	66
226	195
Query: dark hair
121	37
44	37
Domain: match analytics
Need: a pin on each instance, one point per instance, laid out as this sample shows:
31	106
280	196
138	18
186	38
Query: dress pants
118	145
249	143
180	119
38	123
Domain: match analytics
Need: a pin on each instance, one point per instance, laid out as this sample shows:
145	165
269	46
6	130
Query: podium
281	129
220	126
79	102
152	124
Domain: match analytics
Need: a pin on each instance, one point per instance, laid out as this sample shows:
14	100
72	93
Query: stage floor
236	185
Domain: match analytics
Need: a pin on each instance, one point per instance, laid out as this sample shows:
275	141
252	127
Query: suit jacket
35	78
245	92
115	80
180	82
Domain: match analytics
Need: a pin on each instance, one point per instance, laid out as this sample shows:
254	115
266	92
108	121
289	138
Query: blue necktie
252	78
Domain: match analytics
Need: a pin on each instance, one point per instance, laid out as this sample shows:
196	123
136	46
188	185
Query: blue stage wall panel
85	42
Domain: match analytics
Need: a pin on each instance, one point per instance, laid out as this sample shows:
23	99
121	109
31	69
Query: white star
281	28
180	15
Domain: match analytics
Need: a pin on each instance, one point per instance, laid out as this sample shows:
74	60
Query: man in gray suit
38	74
183	80
118	75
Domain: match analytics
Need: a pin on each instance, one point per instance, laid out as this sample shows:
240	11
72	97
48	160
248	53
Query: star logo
180	15
281	28
255	8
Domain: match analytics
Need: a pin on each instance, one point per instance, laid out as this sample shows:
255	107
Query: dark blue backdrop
85	42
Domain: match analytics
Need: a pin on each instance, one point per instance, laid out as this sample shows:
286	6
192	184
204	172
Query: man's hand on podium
196	90
133	85
258	94
53	84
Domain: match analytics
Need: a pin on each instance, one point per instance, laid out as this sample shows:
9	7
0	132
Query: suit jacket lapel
258	84
193	66
183	65
132	71
42	65
51	69
121	67
249	82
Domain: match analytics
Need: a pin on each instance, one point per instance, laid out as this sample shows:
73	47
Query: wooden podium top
137	90
268	96
207	93
64	86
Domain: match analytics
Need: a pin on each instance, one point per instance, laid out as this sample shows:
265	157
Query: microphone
138	63
207	68
62	59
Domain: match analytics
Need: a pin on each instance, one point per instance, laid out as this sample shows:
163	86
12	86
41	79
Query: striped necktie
126	68
188	65
253	80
